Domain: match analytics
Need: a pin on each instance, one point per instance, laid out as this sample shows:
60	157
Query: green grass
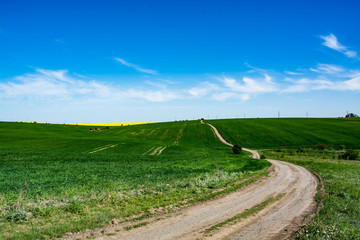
290	132
296	141
51	184
339	217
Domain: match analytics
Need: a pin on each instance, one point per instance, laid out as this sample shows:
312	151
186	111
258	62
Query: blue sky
116	61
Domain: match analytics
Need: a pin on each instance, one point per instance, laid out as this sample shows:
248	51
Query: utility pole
278	114
307	114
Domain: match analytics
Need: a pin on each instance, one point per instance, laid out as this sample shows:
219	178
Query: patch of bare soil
179	136
103	148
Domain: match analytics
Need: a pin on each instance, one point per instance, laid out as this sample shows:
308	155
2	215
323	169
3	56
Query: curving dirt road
278	220
254	153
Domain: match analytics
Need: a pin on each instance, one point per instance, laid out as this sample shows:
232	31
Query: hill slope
289	132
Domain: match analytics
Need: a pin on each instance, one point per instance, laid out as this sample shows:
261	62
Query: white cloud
198	92
203	90
353	84
306	84
40	84
155	84
250	85
234	89
332	42
322	83
292	73
60	85
152	96
328	69
222	96
136	67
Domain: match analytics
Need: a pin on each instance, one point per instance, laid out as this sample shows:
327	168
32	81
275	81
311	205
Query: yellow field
110	124
98	124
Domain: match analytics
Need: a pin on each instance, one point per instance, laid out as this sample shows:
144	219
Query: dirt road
278	220
254	153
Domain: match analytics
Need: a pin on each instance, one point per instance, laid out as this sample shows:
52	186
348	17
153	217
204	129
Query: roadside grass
51	184
339	217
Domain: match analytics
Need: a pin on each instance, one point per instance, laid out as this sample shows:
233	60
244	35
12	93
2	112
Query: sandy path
277	221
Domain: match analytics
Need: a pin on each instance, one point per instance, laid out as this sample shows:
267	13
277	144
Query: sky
154	61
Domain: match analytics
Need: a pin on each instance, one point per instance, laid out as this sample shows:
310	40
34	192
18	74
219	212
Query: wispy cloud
328	69
250	85
245	88
60	85
327	77
230	88
306	85
349	80
136	67
152	96
292	73
223	96
47	84
204	89
332	42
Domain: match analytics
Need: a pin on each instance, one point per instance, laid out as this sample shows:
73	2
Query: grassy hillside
79	177
290	133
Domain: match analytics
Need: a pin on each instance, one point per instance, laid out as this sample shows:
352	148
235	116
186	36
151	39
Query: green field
319	145
263	133
60	178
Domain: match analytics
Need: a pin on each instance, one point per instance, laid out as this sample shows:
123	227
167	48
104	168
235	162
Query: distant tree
300	150
236	149
341	147
351	115
321	146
